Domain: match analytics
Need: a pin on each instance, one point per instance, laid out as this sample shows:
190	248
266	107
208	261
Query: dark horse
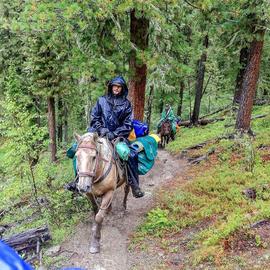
166	133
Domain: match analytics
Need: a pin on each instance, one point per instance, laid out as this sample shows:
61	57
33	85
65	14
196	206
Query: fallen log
201	122
197	146
260	102
28	240
226	108
252	118
198	159
183	153
258	116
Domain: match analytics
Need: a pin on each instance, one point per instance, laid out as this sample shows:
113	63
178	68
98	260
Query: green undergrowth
187	137
214	200
51	206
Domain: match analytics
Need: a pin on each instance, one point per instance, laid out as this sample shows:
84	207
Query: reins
85	145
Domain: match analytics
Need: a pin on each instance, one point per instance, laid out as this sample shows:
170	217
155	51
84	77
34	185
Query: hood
118	80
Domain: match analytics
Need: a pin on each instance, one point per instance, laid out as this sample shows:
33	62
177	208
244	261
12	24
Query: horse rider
111	117
167	114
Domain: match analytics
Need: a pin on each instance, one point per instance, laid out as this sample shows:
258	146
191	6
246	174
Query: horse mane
102	143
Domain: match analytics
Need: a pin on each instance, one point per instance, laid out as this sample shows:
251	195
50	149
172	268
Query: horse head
166	128
87	161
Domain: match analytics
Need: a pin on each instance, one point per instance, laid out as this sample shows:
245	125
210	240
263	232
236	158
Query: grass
57	209
215	196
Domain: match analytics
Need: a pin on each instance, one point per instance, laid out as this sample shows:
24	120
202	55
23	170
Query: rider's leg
133	175
72	186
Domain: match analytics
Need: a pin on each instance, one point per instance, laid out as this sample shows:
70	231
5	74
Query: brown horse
165	132
99	177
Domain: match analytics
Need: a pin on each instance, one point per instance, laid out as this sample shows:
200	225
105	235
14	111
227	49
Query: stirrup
137	193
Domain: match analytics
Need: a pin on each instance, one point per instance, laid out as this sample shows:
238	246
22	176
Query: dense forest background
56	58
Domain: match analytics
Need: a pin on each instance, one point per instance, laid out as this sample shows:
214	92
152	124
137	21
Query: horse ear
95	136
77	137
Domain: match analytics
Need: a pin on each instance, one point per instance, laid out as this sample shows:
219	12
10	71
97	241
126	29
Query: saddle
120	164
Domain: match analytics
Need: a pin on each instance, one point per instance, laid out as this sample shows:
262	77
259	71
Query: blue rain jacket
10	260
113	112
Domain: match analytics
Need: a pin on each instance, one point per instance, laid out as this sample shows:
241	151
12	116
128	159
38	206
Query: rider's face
116	89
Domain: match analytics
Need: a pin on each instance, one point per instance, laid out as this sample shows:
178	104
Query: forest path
116	229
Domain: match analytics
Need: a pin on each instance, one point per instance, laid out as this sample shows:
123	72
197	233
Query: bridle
85	145
91	146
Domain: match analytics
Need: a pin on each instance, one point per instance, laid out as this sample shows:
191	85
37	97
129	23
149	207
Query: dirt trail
117	227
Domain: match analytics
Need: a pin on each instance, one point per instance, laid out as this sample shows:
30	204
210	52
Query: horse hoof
94	250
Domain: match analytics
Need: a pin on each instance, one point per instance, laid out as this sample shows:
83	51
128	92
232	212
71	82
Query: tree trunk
51	126
88	109
181	93
138	69
161	103
38	109
249	84
189	93
240	76
60	120
65	120
199	84
149	105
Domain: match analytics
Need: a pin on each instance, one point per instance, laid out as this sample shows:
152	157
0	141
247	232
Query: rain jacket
169	115
10	260
113	112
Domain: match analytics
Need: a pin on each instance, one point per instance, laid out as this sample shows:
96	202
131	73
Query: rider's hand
103	132
110	136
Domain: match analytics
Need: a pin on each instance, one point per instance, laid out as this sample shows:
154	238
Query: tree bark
249	84
60	120
161	103
199	84
65	122
51	126
138	69
149	105
181	94
240	76
27	240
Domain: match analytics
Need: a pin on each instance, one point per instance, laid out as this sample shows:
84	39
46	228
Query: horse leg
95	231
96	228
125	197
105	204
95	238
93	203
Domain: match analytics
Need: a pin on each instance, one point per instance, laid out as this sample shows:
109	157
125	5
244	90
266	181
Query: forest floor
118	228
192	216
123	249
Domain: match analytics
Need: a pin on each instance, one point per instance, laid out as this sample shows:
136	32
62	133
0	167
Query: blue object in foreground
72	268
141	129
10	260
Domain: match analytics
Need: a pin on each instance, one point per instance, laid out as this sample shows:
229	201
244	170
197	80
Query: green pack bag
146	158
71	154
123	150
144	164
